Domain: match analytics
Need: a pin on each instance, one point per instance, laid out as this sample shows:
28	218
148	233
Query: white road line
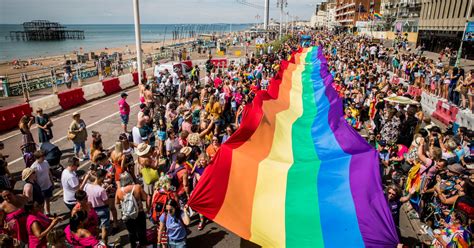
71	112
88	126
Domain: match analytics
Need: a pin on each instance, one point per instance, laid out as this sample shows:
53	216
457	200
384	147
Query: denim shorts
124	119
174	244
104	216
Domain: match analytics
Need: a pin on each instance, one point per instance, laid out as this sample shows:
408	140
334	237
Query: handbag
164	233
71	135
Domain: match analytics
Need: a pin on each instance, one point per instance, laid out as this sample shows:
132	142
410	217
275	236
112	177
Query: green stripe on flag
303	225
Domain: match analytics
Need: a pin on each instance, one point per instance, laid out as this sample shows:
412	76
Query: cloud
151	11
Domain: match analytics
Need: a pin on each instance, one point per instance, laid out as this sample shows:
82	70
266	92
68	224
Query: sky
151	11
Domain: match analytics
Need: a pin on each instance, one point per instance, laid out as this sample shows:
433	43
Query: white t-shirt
70	184
156	71
42	174
137	138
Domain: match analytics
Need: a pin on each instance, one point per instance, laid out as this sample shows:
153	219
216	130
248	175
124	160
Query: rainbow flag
295	174
378	16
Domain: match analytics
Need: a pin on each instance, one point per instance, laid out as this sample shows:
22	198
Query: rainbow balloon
295	174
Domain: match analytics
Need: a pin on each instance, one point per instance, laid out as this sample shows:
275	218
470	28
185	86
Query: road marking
88	126
69	114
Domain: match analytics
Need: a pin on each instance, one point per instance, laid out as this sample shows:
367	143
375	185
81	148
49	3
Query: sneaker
81	159
200	226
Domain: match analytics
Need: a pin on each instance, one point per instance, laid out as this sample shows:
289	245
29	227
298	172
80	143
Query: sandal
200	226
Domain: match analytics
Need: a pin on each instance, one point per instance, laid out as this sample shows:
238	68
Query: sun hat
75	113
457	168
26	173
186	150
143	149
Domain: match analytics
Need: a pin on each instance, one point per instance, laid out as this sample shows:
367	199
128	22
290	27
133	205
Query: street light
138	38
281	4
468	15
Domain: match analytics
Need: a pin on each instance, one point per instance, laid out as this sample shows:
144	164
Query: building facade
319	17
442	25
402	15
348	12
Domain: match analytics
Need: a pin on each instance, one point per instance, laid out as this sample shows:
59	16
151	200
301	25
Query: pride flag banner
295	174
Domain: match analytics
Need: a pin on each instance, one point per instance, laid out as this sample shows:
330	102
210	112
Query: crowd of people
428	167
150	173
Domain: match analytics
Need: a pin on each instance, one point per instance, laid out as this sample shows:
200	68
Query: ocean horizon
99	36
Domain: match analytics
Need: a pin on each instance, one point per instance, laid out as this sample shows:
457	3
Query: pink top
96	195
92	222
44	222
78	242
186	126
124	107
16	222
217	82
401	150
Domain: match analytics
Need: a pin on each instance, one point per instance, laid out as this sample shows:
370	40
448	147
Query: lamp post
282	4
468	15
138	38
266	14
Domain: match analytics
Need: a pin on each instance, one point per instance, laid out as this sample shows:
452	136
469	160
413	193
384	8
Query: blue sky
151	11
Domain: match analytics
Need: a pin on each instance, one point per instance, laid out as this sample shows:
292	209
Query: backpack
173	175
158	205
129	206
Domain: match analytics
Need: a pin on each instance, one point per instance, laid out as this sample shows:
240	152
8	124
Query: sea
99	36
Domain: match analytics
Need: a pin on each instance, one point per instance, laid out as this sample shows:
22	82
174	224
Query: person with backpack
163	192
129	197
173	222
179	178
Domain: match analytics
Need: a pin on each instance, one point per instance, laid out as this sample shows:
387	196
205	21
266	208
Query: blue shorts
161	135
104	216
124	119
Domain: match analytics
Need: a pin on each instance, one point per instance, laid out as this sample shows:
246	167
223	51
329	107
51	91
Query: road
102	116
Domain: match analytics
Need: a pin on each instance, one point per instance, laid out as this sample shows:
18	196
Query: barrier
49	103
414	91
465	119
445	112
126	81
135	77
219	63
149	71
92	91
111	86
428	103
71	98
10	117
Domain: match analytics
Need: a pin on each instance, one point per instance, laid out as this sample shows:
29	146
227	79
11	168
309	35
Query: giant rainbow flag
295	174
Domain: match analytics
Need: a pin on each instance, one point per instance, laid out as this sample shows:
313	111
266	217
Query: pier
43	30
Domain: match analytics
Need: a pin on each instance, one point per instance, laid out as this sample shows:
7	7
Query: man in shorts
43	178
